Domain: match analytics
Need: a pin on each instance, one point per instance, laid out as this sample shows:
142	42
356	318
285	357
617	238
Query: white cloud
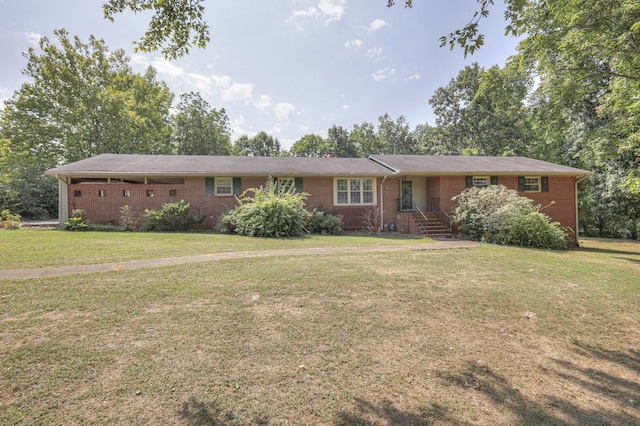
383	74
346	107
33	38
333	10
353	43
283	109
375	53
416	76
304	128
238	92
176	76
376	24
326	10
263	103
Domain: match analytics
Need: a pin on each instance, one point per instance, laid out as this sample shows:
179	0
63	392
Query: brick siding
106	210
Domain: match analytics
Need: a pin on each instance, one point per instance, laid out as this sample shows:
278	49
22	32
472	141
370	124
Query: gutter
575	191
381	226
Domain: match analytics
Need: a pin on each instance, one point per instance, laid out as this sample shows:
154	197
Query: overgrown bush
499	215
172	217
78	221
128	221
321	222
273	211
9	220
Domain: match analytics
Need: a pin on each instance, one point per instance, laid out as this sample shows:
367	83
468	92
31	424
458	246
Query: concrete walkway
12	274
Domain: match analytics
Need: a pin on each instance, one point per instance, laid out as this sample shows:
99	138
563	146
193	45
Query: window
354	191
173	192
102	193
285	184
150	193
223	186
77	193
529	184
481	181
126	193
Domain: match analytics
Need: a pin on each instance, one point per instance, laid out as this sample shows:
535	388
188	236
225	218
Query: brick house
405	193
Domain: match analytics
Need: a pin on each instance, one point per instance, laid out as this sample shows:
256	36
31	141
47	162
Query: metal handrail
417	209
441	217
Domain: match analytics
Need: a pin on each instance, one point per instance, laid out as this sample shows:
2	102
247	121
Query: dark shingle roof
375	165
456	165
200	165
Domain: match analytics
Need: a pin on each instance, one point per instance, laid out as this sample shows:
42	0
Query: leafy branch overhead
178	25
175	27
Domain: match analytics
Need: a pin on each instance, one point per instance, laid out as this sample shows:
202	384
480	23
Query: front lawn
482	336
32	248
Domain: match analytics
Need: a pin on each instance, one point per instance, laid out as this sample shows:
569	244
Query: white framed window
532	184
224	186
354	191
285	184
481	181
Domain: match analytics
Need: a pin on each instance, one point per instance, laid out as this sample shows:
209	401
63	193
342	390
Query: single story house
406	193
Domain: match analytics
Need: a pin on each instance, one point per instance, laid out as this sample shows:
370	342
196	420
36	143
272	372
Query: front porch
419	202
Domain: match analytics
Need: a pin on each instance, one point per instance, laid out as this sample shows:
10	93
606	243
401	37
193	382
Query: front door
406	197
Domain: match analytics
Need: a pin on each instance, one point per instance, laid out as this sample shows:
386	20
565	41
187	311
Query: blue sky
288	67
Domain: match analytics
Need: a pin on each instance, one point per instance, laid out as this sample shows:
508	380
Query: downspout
382	203
63	200
575	191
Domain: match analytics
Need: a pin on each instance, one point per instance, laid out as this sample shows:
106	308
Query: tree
483	112
310	146
199	129
339	143
364	138
394	136
82	100
261	145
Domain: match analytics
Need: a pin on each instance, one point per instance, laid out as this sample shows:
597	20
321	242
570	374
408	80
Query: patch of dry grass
34	248
491	335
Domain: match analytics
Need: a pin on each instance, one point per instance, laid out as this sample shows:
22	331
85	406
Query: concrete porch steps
432	227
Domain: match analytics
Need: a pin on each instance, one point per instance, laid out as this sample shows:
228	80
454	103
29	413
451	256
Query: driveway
12	274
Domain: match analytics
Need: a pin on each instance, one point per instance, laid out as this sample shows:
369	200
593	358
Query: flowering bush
498	215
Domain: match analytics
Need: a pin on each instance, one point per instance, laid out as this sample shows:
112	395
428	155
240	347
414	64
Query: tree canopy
199	129
82	100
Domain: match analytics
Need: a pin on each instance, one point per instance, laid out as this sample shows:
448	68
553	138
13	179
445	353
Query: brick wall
105	210
561	190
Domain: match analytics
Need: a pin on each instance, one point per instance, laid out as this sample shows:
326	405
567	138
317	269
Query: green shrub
321	222
273	211
78	221
9	220
129	221
498	215
172	217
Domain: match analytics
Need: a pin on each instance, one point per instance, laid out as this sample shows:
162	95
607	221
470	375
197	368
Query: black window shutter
237	186
494	180
520	183
469	181
210	188
298	183
545	183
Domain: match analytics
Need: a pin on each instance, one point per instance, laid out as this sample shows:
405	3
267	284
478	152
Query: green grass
27	248
489	335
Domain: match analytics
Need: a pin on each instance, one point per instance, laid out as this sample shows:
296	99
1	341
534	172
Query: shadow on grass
368	413
199	413
618	391
621	395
